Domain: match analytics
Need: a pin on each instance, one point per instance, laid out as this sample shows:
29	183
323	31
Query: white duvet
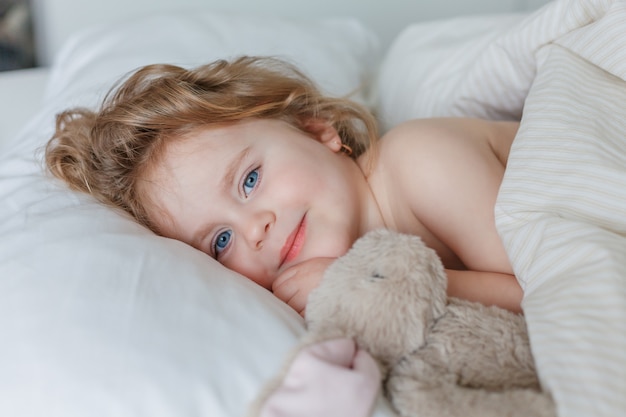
561	211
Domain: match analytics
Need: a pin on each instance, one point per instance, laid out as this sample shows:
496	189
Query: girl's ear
324	132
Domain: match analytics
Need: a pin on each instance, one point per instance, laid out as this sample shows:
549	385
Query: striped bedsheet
561	211
562	215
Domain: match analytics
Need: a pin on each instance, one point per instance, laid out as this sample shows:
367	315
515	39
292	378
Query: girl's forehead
209	148
217	137
215	144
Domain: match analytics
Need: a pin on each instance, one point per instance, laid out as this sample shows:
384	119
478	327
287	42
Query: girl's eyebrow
231	171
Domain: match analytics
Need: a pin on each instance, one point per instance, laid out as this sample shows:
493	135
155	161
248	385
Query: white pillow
427	61
98	316
340	54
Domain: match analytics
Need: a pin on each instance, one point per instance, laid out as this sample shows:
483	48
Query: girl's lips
294	242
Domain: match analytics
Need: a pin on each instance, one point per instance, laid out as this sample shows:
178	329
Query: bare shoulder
435	153
441	177
444	134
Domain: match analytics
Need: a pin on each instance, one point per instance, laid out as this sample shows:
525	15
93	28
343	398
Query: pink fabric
331	379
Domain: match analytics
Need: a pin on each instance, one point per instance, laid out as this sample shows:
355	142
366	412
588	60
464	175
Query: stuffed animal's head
385	293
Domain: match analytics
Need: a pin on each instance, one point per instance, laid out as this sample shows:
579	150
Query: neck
371	213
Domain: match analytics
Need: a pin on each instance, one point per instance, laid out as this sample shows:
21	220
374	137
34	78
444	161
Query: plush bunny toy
437	356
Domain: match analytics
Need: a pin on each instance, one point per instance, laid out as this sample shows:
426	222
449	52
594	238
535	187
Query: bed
99	317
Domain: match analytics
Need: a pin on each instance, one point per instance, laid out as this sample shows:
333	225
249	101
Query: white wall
55	20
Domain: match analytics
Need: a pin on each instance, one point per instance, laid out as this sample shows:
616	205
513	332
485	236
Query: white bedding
22	92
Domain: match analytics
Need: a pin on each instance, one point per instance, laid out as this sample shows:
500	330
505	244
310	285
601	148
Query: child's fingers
294	284
289	292
285	290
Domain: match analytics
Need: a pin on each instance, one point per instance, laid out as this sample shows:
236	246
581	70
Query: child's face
259	196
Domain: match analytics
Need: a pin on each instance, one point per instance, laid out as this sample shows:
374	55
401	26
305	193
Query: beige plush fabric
439	357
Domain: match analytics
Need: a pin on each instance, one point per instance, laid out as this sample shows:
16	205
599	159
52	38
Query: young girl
249	163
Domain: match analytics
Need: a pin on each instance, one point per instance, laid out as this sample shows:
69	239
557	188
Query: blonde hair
107	152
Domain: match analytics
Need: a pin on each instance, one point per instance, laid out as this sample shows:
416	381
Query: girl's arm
441	177
489	288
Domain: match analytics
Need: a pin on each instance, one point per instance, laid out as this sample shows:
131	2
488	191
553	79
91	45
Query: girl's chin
335	251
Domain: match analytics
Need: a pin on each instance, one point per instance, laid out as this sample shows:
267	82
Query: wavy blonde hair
107	152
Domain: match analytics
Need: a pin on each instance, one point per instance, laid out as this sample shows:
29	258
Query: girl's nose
257	227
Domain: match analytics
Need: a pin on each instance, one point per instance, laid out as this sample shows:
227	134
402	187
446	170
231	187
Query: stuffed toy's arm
333	378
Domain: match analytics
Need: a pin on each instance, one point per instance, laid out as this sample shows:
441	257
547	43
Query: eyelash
257	178
216	241
252	173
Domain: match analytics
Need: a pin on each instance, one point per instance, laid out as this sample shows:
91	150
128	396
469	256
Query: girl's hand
294	285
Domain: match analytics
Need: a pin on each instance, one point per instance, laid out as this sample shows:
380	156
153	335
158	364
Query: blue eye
250	181
221	242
